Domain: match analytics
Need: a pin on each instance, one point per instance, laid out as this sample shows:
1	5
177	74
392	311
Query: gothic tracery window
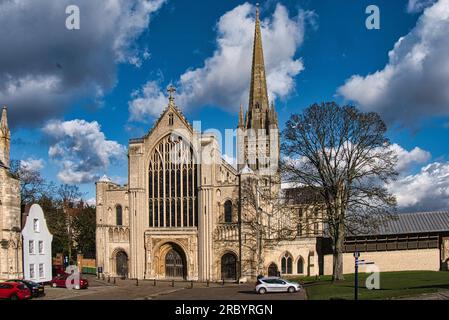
287	264
173	192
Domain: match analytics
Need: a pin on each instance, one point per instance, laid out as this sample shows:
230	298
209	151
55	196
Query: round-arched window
119	215
228	211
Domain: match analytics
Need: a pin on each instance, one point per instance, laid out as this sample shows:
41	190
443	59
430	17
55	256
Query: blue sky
332	44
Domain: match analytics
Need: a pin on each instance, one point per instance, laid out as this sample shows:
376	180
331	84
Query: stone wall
388	261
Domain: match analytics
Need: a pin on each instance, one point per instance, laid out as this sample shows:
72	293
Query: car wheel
262	291
77	287
14	297
54	285
291	290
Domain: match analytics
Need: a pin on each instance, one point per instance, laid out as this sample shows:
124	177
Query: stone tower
258	131
5	139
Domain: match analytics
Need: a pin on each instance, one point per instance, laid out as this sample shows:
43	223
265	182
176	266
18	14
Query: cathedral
188	214
10	236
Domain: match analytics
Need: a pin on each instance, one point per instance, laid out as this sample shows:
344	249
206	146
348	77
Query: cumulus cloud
224	78
415	82
81	150
407	159
31	164
428	190
44	67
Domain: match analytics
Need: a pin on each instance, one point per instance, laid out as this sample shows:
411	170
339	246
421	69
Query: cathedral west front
188	214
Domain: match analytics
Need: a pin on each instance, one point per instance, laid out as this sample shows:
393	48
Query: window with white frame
36	225
41	271
32	272
41	247
31	247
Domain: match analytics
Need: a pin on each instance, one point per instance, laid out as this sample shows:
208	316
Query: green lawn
393	284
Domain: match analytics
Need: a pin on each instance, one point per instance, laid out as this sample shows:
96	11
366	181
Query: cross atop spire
171	94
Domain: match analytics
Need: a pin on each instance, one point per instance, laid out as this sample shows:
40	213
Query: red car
61	282
14	291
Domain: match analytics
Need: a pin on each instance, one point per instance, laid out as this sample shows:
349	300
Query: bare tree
345	156
268	218
69	196
32	185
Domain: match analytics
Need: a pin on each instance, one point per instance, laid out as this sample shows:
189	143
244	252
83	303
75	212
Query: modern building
37	240
10	239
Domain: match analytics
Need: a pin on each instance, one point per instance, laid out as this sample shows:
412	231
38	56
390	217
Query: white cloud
406	159
224	78
415	82
45	67
415	6
81	150
427	190
31	164
148	100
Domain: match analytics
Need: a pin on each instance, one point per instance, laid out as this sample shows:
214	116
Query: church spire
258	96
5	138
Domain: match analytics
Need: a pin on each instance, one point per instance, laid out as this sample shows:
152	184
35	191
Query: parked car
58	269
14	291
61	280
275	284
37	289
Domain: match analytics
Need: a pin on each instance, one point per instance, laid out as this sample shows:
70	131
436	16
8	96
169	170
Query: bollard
191	285
109	279
137	282
173	283
154	283
223	283
103	277
114	281
207	283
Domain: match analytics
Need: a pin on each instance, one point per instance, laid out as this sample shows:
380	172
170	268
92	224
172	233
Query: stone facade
10	237
183	212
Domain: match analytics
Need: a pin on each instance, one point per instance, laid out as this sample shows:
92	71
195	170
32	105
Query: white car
274	284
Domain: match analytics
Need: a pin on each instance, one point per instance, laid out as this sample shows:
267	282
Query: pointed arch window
287	264
173	181
171	119
300	266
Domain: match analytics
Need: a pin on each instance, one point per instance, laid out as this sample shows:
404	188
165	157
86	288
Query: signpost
356	277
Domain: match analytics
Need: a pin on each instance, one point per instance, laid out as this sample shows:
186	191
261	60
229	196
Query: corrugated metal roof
420	222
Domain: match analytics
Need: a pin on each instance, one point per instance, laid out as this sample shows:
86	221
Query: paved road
127	290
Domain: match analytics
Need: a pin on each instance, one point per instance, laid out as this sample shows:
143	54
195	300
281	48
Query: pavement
164	290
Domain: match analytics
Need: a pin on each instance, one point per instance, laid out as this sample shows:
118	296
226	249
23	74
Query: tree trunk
337	274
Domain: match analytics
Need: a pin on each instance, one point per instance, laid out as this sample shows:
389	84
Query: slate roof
419	222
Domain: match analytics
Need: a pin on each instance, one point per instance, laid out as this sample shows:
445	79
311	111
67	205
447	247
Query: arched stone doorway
229	267
121	264
175	262
273	270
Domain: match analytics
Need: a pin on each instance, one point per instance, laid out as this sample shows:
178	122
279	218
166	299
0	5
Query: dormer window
171	119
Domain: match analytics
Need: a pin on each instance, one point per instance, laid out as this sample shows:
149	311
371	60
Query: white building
37	239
